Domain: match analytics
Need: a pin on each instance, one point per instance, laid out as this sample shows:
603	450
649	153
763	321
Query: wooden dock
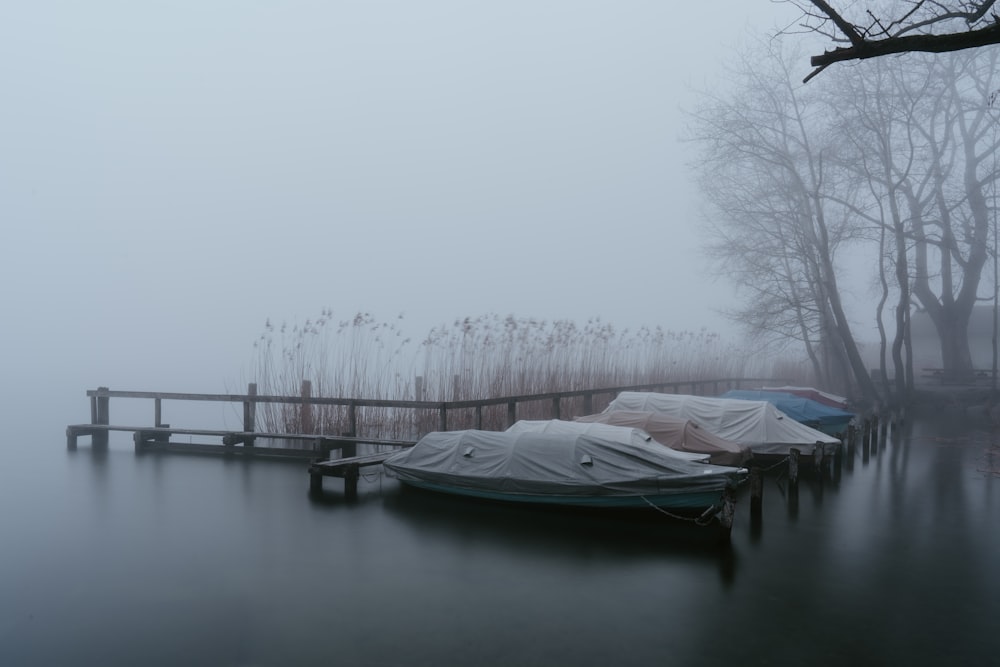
317	448
347	468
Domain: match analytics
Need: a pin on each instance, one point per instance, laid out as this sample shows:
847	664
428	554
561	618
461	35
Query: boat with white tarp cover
757	424
567	464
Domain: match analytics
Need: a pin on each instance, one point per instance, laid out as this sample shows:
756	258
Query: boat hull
699	500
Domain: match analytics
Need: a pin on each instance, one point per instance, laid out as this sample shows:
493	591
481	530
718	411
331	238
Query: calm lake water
171	560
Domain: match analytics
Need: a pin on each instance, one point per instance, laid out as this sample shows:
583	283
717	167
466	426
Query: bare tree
954	230
776	229
877	115
923	139
861	32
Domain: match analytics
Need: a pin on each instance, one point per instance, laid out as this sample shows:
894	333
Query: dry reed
473	358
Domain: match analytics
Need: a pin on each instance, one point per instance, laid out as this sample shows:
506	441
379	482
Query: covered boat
757	424
586	465
677	433
829	420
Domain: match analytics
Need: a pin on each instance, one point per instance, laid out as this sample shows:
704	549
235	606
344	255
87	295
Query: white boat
757	424
566	464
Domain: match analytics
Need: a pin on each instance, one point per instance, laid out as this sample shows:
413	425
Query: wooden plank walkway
348	468
157	438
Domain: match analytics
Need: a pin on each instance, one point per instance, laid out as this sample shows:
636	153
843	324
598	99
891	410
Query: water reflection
124	559
560	534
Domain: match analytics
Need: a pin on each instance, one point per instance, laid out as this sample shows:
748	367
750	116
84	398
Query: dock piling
756	490
100	409
793	466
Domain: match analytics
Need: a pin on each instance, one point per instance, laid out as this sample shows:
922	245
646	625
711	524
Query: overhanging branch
926	43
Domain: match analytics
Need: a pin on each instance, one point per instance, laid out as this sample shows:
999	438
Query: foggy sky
174	174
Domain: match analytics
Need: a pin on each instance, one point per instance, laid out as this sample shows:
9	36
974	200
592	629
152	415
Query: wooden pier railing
100	413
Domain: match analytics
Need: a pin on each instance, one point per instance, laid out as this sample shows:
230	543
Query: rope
701	520
772	467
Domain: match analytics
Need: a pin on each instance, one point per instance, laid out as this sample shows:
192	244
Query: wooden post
793	466
157	412
250	409
102	416
315	483
250	414
323	447
511	412
479	417
756	490
818	455
443	417
793	501
351	475
349	449
728	511
305	409
555	408
588	403
352	418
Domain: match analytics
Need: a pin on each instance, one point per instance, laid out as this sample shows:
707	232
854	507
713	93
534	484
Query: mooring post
139	442
102	417
793	466
443	417
349	449
315	483
728	511
322	446
351	475
555	408
756	490
511	412
818	456
479	417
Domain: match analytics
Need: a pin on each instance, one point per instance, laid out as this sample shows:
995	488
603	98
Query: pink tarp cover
677	433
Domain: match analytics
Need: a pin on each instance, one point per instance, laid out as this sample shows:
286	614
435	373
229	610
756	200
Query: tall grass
472	358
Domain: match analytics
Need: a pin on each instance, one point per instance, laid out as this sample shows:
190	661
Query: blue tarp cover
804	410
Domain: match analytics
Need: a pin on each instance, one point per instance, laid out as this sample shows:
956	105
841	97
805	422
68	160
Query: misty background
173	175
